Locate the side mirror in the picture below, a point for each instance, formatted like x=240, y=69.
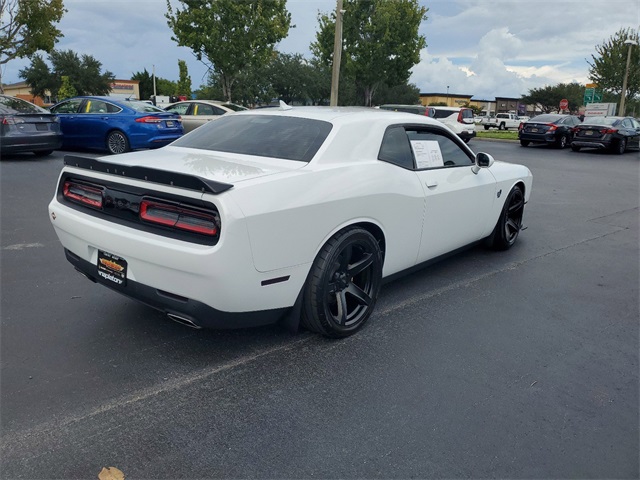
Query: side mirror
x=483, y=160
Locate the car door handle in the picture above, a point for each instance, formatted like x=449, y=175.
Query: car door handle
x=431, y=183
x=105, y=118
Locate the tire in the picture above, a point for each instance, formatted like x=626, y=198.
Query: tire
x=343, y=284
x=509, y=224
x=486, y=127
x=620, y=146
x=524, y=143
x=562, y=142
x=117, y=142
x=502, y=126
x=43, y=153
x=575, y=148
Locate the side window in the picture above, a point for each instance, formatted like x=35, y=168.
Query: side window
x=95, y=106
x=626, y=123
x=111, y=108
x=70, y=106
x=396, y=149
x=453, y=154
x=180, y=108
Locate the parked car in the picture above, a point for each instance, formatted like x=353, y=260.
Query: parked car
x=283, y=214
x=549, y=128
x=25, y=127
x=195, y=113
x=105, y=123
x=459, y=119
x=617, y=134
x=416, y=109
x=501, y=121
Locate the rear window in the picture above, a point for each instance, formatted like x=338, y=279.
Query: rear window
x=546, y=118
x=144, y=107
x=10, y=105
x=600, y=120
x=289, y=138
x=442, y=113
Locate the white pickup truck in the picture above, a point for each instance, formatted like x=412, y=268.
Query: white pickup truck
x=502, y=121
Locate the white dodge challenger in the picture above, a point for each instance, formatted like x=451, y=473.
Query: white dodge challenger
x=290, y=214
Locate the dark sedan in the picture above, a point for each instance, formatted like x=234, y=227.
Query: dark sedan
x=550, y=128
x=105, y=123
x=25, y=127
x=617, y=134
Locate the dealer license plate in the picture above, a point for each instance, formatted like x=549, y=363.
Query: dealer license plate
x=170, y=123
x=534, y=130
x=589, y=132
x=112, y=268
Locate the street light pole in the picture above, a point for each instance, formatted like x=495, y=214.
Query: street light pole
x=337, y=55
x=630, y=43
x=447, y=95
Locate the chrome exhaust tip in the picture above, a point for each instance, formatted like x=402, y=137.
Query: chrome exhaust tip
x=183, y=321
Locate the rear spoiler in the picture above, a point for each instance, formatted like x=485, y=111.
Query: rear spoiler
x=165, y=177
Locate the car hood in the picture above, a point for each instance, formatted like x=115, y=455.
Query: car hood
x=218, y=166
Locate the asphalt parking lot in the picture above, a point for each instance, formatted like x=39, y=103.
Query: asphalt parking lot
x=521, y=364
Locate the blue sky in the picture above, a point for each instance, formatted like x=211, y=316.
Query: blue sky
x=477, y=47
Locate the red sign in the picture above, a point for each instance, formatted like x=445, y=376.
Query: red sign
x=564, y=104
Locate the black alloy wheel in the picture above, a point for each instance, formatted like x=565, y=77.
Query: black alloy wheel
x=621, y=146
x=117, y=142
x=509, y=224
x=343, y=284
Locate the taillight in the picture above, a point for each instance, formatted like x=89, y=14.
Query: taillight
x=180, y=217
x=8, y=121
x=552, y=127
x=609, y=130
x=149, y=119
x=83, y=194
x=521, y=126
x=460, y=117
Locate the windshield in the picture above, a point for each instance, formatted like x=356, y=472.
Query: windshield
x=289, y=138
x=10, y=105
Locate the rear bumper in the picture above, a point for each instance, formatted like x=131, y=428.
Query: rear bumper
x=30, y=143
x=200, y=314
x=467, y=135
x=537, y=138
x=583, y=144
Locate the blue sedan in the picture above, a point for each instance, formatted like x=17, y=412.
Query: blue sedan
x=118, y=126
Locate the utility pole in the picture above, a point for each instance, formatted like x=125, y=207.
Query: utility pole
x=337, y=55
x=630, y=43
x=154, y=85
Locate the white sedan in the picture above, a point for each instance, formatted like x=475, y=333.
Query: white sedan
x=284, y=214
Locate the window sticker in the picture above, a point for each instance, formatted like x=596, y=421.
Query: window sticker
x=427, y=153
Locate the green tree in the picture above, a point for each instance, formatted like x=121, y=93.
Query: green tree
x=404, y=94
x=288, y=76
x=548, y=98
x=610, y=62
x=145, y=84
x=183, y=87
x=28, y=26
x=66, y=89
x=381, y=42
x=233, y=36
x=85, y=74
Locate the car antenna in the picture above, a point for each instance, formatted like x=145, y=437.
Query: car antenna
x=284, y=106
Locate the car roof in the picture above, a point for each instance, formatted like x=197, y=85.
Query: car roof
x=344, y=115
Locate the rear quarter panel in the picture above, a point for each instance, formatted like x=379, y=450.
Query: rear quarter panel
x=290, y=218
